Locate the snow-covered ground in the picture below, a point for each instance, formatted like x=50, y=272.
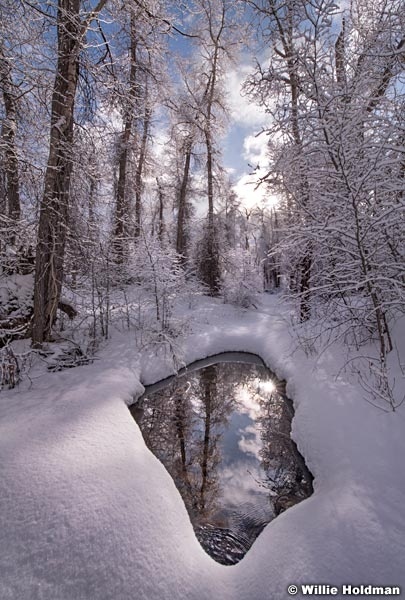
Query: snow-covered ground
x=87, y=512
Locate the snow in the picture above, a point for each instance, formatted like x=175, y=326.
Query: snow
x=88, y=512
x=16, y=293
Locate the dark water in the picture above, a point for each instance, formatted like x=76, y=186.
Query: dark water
x=222, y=430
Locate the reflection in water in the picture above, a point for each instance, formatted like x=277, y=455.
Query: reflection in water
x=223, y=434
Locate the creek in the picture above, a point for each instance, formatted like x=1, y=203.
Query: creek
x=221, y=427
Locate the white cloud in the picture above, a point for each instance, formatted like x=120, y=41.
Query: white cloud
x=255, y=149
x=251, y=195
x=246, y=188
x=243, y=110
x=160, y=141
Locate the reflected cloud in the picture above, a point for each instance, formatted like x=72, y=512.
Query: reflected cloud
x=250, y=445
x=223, y=433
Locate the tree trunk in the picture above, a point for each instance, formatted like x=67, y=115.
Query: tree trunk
x=181, y=245
x=54, y=210
x=287, y=38
x=121, y=208
x=8, y=135
x=212, y=266
x=140, y=167
x=121, y=201
x=305, y=280
x=161, y=223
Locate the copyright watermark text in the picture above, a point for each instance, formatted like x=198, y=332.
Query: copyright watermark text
x=344, y=590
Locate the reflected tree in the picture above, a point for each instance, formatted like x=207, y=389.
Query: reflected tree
x=184, y=426
x=287, y=476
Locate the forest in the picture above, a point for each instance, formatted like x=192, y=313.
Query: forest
x=180, y=182
x=114, y=195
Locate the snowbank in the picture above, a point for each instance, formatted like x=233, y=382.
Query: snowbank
x=88, y=512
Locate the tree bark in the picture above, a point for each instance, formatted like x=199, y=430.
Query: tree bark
x=140, y=167
x=54, y=210
x=181, y=245
x=211, y=270
x=212, y=267
x=8, y=134
x=121, y=206
x=161, y=223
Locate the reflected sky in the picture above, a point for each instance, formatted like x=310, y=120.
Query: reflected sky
x=223, y=434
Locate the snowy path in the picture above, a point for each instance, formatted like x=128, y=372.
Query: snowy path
x=88, y=513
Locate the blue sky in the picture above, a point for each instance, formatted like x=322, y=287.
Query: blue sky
x=243, y=146
x=239, y=146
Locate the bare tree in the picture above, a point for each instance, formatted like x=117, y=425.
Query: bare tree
x=8, y=134
x=218, y=25
x=336, y=158
x=54, y=211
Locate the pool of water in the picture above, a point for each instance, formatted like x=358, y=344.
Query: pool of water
x=222, y=430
